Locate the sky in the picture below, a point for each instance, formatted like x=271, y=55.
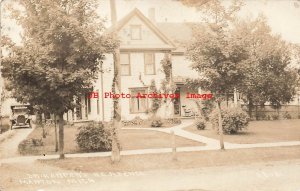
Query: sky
x=283, y=15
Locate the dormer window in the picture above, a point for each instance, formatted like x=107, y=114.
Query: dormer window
x=136, y=32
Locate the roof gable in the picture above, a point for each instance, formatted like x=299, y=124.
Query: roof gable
x=154, y=34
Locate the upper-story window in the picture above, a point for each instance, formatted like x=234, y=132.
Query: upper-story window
x=125, y=64
x=136, y=32
x=149, y=63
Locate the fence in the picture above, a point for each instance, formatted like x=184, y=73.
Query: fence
x=267, y=112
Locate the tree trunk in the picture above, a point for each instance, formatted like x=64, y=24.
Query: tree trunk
x=250, y=106
x=220, y=126
x=61, y=136
x=56, y=140
x=115, y=157
x=256, y=116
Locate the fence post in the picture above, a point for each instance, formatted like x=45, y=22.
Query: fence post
x=174, y=155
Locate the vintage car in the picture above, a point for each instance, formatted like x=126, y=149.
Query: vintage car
x=20, y=116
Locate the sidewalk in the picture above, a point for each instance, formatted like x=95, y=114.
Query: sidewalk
x=211, y=144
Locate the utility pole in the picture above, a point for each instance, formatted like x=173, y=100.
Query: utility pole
x=116, y=89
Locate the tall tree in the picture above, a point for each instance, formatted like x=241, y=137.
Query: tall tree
x=116, y=89
x=269, y=76
x=57, y=60
x=214, y=52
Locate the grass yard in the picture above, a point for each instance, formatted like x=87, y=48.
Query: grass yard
x=259, y=132
x=130, y=140
x=5, y=124
x=184, y=160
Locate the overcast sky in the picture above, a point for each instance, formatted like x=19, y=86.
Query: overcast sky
x=283, y=15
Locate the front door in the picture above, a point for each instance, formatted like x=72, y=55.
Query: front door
x=177, y=103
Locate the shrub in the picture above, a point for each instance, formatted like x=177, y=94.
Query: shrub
x=261, y=115
x=94, y=137
x=200, y=123
x=233, y=120
x=172, y=120
x=37, y=142
x=136, y=121
x=275, y=116
x=286, y=115
x=156, y=122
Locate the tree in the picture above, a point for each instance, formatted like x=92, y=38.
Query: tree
x=214, y=53
x=116, y=89
x=58, y=59
x=217, y=58
x=268, y=75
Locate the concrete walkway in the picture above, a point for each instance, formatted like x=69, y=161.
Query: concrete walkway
x=210, y=144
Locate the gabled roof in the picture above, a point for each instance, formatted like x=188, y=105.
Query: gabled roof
x=140, y=15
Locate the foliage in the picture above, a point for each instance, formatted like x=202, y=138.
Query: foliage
x=205, y=107
x=136, y=121
x=275, y=116
x=172, y=121
x=261, y=115
x=214, y=10
x=233, y=120
x=167, y=85
x=94, y=137
x=268, y=76
x=286, y=115
x=156, y=122
x=155, y=102
x=200, y=123
x=58, y=58
x=167, y=67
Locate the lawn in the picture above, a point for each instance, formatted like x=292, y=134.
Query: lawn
x=130, y=140
x=5, y=124
x=184, y=160
x=259, y=132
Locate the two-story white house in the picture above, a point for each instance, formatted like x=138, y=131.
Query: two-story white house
x=144, y=43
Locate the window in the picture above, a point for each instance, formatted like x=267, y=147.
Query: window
x=138, y=104
x=135, y=31
x=125, y=64
x=149, y=64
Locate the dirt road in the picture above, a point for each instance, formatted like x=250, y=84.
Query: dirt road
x=275, y=176
x=9, y=147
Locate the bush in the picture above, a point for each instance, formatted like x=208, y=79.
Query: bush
x=94, y=137
x=136, y=121
x=233, y=120
x=156, y=122
x=200, y=123
x=37, y=142
x=286, y=115
x=172, y=121
x=261, y=115
x=275, y=116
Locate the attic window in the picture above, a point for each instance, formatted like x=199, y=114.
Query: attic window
x=136, y=33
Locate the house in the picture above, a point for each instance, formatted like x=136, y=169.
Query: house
x=144, y=43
